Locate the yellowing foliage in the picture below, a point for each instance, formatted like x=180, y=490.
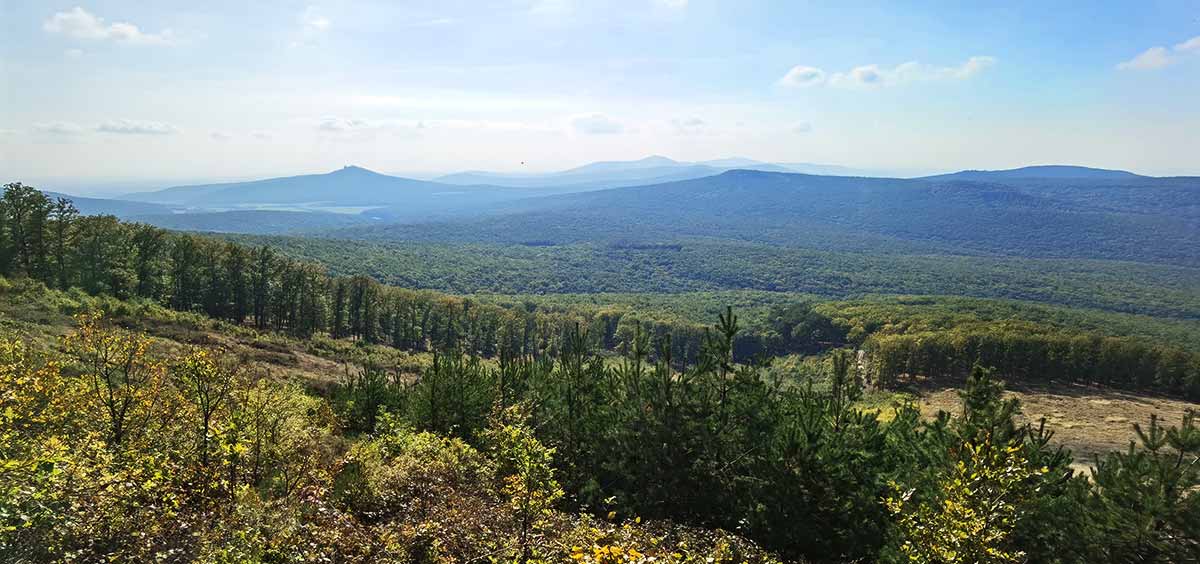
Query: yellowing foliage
x=975, y=511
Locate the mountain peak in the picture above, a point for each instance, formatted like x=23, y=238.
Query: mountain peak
x=354, y=169
x=658, y=159
x=1040, y=171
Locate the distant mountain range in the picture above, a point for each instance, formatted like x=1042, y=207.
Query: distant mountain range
x=317, y=201
x=1080, y=213
x=350, y=186
x=104, y=206
x=650, y=170
x=1056, y=172
x=1049, y=210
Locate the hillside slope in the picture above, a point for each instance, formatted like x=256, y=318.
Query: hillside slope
x=1056, y=172
x=1029, y=219
x=347, y=187
x=104, y=206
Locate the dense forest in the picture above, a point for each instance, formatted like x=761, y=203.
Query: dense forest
x=47, y=241
x=540, y=432
x=696, y=265
x=1141, y=219
x=120, y=446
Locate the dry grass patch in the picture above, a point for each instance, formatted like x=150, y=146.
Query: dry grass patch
x=1087, y=420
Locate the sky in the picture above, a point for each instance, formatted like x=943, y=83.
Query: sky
x=114, y=95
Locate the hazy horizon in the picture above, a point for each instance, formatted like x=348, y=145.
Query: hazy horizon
x=110, y=93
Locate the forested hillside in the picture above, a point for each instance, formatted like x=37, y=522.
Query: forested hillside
x=587, y=282
x=540, y=429
x=212, y=458
x=707, y=265
x=50, y=242
x=1042, y=218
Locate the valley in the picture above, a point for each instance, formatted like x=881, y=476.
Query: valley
x=580, y=282
x=863, y=329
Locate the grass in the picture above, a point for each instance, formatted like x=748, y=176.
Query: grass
x=42, y=317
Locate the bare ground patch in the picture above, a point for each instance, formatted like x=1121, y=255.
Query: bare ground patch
x=1087, y=420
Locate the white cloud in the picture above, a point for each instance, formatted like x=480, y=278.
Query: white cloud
x=261, y=135
x=973, y=66
x=337, y=124
x=313, y=21
x=1152, y=58
x=866, y=75
x=220, y=136
x=801, y=76
x=596, y=124
x=689, y=126
x=59, y=128
x=313, y=26
x=73, y=53
x=802, y=127
x=136, y=127
x=874, y=76
x=1160, y=57
x=80, y=24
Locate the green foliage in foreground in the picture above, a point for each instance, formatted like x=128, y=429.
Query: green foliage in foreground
x=556, y=459
x=111, y=452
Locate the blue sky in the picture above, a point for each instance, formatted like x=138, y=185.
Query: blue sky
x=113, y=91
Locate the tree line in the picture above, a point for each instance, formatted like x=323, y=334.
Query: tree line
x=48, y=240
x=114, y=448
x=1089, y=359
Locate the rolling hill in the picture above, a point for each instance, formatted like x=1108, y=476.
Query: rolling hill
x=1033, y=212
x=1043, y=218
x=654, y=169
x=261, y=222
x=1057, y=172
x=308, y=202
x=123, y=209
x=349, y=186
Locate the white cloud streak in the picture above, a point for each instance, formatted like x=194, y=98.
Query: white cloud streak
x=313, y=26
x=689, y=126
x=801, y=76
x=59, y=128
x=136, y=127
x=1159, y=57
x=1150, y=59
x=313, y=21
x=875, y=76
x=338, y=125
x=78, y=23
